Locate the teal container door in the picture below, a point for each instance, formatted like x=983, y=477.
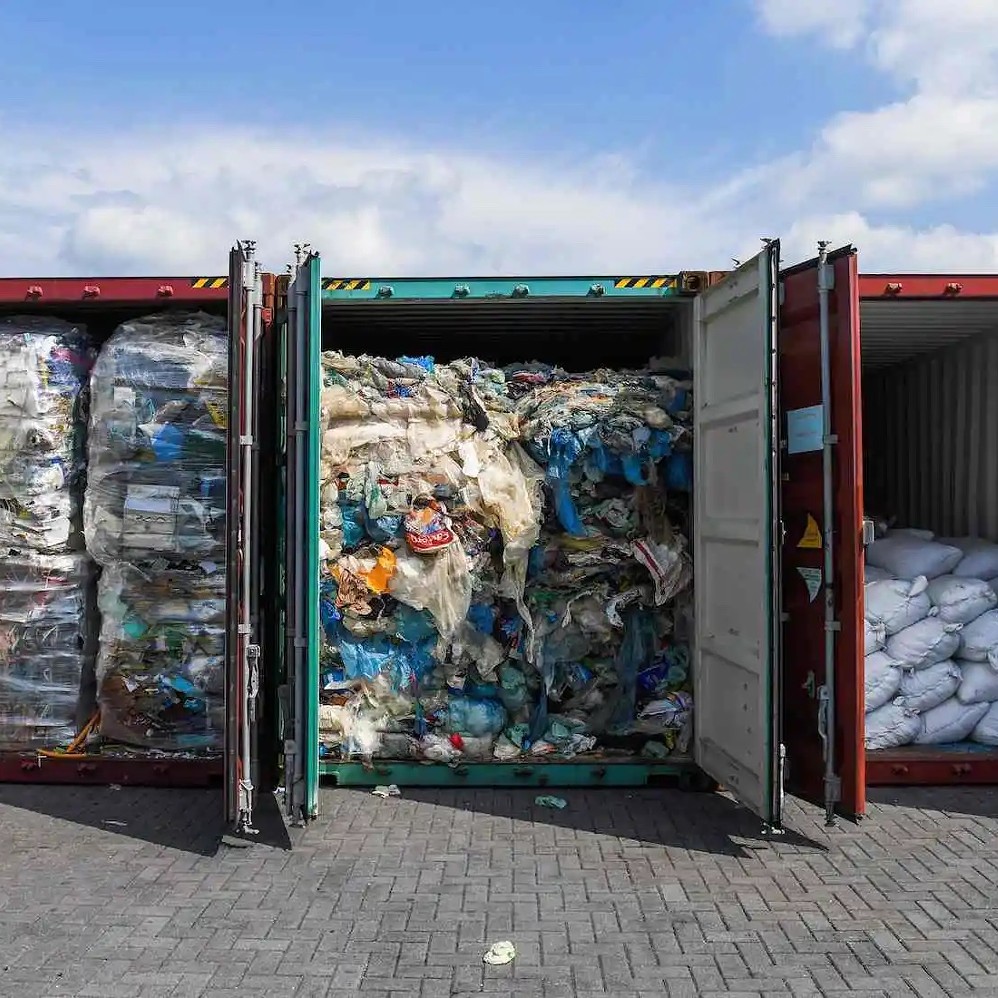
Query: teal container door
x=303, y=387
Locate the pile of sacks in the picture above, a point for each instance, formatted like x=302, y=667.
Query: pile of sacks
x=478, y=602
x=155, y=521
x=46, y=653
x=931, y=641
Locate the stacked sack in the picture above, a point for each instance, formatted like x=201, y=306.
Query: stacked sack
x=155, y=521
x=46, y=611
x=931, y=641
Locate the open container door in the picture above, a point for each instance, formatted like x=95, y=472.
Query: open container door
x=736, y=570
x=303, y=388
x=822, y=510
x=242, y=655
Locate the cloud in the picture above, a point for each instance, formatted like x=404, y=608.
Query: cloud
x=161, y=200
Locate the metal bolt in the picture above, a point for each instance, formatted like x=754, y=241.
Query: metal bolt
x=386, y=291
x=461, y=291
x=35, y=291
x=165, y=291
x=521, y=291
x=953, y=288
x=894, y=288
x=91, y=291
x=597, y=290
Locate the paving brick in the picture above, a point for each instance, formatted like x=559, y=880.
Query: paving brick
x=624, y=893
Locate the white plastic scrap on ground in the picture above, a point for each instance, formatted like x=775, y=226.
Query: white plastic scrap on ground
x=500, y=954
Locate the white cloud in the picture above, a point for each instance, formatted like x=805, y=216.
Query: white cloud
x=161, y=201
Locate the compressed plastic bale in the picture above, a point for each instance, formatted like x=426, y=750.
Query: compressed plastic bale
x=882, y=679
x=959, y=601
x=925, y=643
x=161, y=660
x=874, y=636
x=980, y=557
x=897, y=603
x=157, y=441
x=979, y=638
x=986, y=730
x=923, y=689
x=978, y=682
x=908, y=557
x=44, y=371
x=951, y=721
x=873, y=574
x=891, y=726
x=46, y=648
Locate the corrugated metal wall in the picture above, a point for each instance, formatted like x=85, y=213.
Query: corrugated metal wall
x=931, y=440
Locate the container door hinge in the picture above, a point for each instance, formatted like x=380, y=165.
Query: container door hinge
x=247, y=440
x=833, y=625
x=782, y=293
x=869, y=532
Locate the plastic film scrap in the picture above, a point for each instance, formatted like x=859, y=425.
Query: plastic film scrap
x=46, y=582
x=154, y=519
x=503, y=561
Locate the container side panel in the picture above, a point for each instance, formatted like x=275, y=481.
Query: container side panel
x=734, y=656
x=932, y=440
x=802, y=505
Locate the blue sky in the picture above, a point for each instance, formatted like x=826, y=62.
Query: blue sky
x=421, y=134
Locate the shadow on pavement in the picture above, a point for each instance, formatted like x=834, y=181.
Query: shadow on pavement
x=977, y=802
x=700, y=822
x=186, y=820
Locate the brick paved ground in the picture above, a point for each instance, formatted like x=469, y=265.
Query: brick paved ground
x=114, y=894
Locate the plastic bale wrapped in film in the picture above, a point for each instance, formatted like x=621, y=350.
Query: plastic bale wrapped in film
x=156, y=475
x=429, y=510
x=610, y=624
x=160, y=667
x=46, y=649
x=44, y=370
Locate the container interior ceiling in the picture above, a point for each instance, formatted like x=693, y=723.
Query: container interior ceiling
x=102, y=318
x=578, y=335
x=930, y=413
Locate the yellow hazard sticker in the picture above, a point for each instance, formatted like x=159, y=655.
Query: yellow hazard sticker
x=812, y=534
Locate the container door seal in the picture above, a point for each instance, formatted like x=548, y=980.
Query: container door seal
x=825, y=761
x=736, y=652
x=242, y=657
x=301, y=695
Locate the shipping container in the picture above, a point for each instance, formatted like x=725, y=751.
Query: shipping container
x=769, y=716
x=245, y=296
x=929, y=353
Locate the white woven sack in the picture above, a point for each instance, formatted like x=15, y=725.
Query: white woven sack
x=873, y=574
x=978, y=683
x=890, y=726
x=922, y=535
x=874, y=636
x=959, y=601
x=925, y=643
x=882, y=679
x=986, y=731
x=980, y=557
x=923, y=689
x=907, y=557
x=979, y=638
x=897, y=603
x=951, y=721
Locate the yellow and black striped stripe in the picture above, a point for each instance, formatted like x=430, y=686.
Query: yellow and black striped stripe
x=346, y=284
x=212, y=283
x=644, y=282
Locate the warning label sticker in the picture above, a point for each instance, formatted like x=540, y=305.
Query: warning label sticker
x=812, y=579
x=812, y=534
